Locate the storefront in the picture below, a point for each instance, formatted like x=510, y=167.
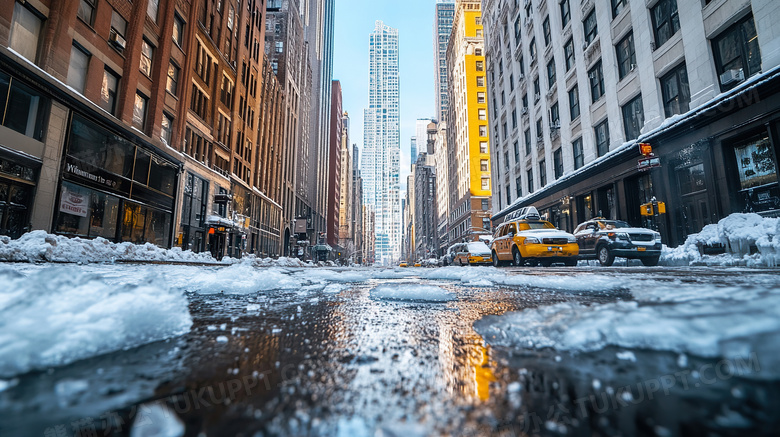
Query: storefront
x=193, y=213
x=17, y=190
x=113, y=188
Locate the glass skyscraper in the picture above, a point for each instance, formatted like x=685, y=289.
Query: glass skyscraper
x=442, y=26
x=380, y=164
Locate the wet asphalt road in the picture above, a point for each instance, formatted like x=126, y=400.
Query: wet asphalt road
x=351, y=363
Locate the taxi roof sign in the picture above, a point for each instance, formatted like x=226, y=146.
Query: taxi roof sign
x=524, y=213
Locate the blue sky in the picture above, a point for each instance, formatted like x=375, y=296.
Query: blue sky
x=414, y=21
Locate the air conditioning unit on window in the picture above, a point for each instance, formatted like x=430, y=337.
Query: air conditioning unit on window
x=732, y=76
x=117, y=40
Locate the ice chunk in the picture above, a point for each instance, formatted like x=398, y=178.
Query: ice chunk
x=412, y=292
x=626, y=356
x=156, y=420
x=56, y=316
x=222, y=339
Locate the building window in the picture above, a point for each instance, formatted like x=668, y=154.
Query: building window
x=529, y=177
x=178, y=29
x=226, y=92
x=517, y=151
x=485, y=183
x=139, y=111
x=147, y=52
x=539, y=130
x=527, y=141
x=86, y=11
x=480, y=81
x=602, y=138
x=626, y=56
x=633, y=118
x=546, y=30
x=574, y=102
x=568, y=51
x=596, y=76
x=517, y=30
x=555, y=118
x=737, y=54
x=676, y=93
x=108, y=91
x=551, y=73
x=565, y=13
x=483, y=130
x=77, y=69
x=558, y=163
x=520, y=64
x=495, y=132
x=537, y=90
x=483, y=147
x=519, y=186
x=480, y=66
x=542, y=174
x=172, y=86
x=118, y=30
x=166, y=128
x=279, y=46
x=483, y=165
x=511, y=82
x=26, y=28
x=503, y=98
x=505, y=130
x=514, y=119
x=666, y=22
x=485, y=205
x=151, y=9
x=532, y=49
x=525, y=101
x=590, y=27
x=481, y=97
x=577, y=152
x=24, y=110
x=506, y=161
x=618, y=6
x=482, y=114
x=508, y=194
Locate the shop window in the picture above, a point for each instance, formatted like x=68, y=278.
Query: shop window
x=633, y=118
x=626, y=55
x=590, y=27
x=108, y=91
x=26, y=26
x=601, y=132
x=96, y=147
x=77, y=69
x=756, y=166
x=666, y=22
x=86, y=213
x=676, y=92
x=141, y=169
x=691, y=179
x=25, y=109
x=737, y=53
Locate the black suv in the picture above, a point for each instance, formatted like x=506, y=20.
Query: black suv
x=604, y=240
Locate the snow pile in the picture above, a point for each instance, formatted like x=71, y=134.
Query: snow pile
x=737, y=233
x=57, y=316
x=707, y=321
x=487, y=276
x=38, y=246
x=239, y=278
x=412, y=292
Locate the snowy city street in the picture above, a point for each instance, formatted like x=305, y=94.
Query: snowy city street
x=159, y=349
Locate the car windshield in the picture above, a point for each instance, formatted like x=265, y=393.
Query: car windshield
x=535, y=225
x=612, y=224
x=478, y=247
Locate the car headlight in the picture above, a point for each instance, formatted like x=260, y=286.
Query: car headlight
x=657, y=238
x=531, y=240
x=572, y=239
x=621, y=235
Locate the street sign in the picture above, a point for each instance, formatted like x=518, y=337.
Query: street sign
x=648, y=163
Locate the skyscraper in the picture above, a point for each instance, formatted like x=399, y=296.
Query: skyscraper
x=381, y=142
x=421, y=137
x=442, y=27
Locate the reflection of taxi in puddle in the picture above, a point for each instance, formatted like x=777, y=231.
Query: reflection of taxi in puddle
x=525, y=238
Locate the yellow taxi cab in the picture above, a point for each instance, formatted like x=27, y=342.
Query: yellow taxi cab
x=417, y=264
x=403, y=264
x=524, y=238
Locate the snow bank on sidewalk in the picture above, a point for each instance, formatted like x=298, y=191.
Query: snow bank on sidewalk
x=38, y=246
x=737, y=233
x=706, y=321
x=56, y=316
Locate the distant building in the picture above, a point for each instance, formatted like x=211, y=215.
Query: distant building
x=346, y=197
x=334, y=173
x=442, y=28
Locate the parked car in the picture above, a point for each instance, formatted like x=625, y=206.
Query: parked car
x=403, y=264
x=448, y=258
x=524, y=238
x=604, y=240
x=474, y=252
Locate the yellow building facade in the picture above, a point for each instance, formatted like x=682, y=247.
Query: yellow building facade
x=468, y=143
